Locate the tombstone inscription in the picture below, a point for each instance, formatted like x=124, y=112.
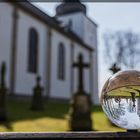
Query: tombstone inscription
x=80, y=105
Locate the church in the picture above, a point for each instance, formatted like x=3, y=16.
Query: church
x=32, y=43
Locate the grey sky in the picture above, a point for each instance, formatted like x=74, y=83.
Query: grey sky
x=108, y=16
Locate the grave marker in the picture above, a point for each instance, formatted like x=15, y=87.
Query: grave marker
x=3, y=93
x=80, y=109
x=37, y=100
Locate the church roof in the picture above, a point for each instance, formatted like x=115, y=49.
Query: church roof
x=36, y=12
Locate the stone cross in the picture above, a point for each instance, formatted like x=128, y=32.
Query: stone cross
x=38, y=79
x=2, y=74
x=3, y=93
x=37, y=100
x=114, y=68
x=80, y=65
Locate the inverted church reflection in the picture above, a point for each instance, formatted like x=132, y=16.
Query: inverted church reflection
x=122, y=106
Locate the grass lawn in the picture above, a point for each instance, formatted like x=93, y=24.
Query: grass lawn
x=53, y=118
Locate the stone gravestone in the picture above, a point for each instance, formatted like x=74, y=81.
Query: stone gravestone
x=80, y=105
x=3, y=93
x=37, y=100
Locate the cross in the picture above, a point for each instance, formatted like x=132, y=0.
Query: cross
x=80, y=65
x=38, y=79
x=2, y=74
x=114, y=68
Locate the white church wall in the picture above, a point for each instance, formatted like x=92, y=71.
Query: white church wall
x=90, y=38
x=25, y=81
x=87, y=31
x=60, y=88
x=6, y=20
x=82, y=26
x=77, y=22
x=90, y=32
x=86, y=58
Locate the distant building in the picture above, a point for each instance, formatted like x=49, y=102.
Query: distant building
x=33, y=43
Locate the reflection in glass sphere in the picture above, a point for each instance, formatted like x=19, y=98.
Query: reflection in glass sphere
x=120, y=99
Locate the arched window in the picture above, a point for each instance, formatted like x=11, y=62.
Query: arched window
x=33, y=51
x=70, y=24
x=61, y=61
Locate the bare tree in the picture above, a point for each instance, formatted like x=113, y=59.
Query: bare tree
x=122, y=48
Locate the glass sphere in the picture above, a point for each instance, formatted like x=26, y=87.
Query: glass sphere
x=120, y=99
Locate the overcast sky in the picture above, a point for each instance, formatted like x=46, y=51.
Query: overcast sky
x=108, y=16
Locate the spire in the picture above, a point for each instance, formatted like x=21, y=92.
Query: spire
x=70, y=6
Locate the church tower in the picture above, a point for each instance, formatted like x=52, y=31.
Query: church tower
x=70, y=6
x=72, y=14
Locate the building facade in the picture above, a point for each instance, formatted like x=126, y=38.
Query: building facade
x=33, y=43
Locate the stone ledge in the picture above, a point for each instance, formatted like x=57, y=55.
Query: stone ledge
x=65, y=135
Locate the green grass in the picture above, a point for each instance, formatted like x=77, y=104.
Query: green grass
x=53, y=118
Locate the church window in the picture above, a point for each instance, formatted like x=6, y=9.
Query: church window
x=33, y=51
x=61, y=61
x=70, y=24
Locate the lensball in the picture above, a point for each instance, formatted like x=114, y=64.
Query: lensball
x=120, y=99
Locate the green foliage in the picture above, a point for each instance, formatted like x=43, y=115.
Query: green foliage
x=53, y=118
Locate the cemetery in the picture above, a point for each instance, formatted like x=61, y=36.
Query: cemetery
x=75, y=115
x=17, y=116
x=49, y=119
x=56, y=95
